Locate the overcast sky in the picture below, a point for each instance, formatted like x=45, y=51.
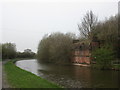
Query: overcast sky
x=25, y=23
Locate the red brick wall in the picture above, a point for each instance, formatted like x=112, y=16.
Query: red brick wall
x=81, y=57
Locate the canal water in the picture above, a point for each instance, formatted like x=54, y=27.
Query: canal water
x=73, y=76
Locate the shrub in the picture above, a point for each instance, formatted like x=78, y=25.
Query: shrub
x=55, y=48
x=103, y=57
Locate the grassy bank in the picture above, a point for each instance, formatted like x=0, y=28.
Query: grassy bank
x=17, y=59
x=19, y=78
x=116, y=67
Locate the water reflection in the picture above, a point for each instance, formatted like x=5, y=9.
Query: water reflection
x=72, y=76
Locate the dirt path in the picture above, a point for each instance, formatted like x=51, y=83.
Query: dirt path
x=0, y=75
x=4, y=81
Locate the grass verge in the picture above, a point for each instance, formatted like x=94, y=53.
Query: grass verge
x=19, y=78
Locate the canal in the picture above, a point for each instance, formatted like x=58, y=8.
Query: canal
x=72, y=76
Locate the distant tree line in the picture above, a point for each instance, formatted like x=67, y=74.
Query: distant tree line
x=55, y=48
x=8, y=51
x=26, y=54
x=0, y=51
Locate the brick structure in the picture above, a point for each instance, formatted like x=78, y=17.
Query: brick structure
x=82, y=51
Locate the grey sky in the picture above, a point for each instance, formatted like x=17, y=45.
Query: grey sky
x=25, y=23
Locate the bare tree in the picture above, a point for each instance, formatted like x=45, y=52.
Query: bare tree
x=87, y=26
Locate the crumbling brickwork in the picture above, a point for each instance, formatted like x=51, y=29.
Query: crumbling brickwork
x=82, y=51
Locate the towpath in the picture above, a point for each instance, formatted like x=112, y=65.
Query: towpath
x=3, y=75
x=0, y=75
